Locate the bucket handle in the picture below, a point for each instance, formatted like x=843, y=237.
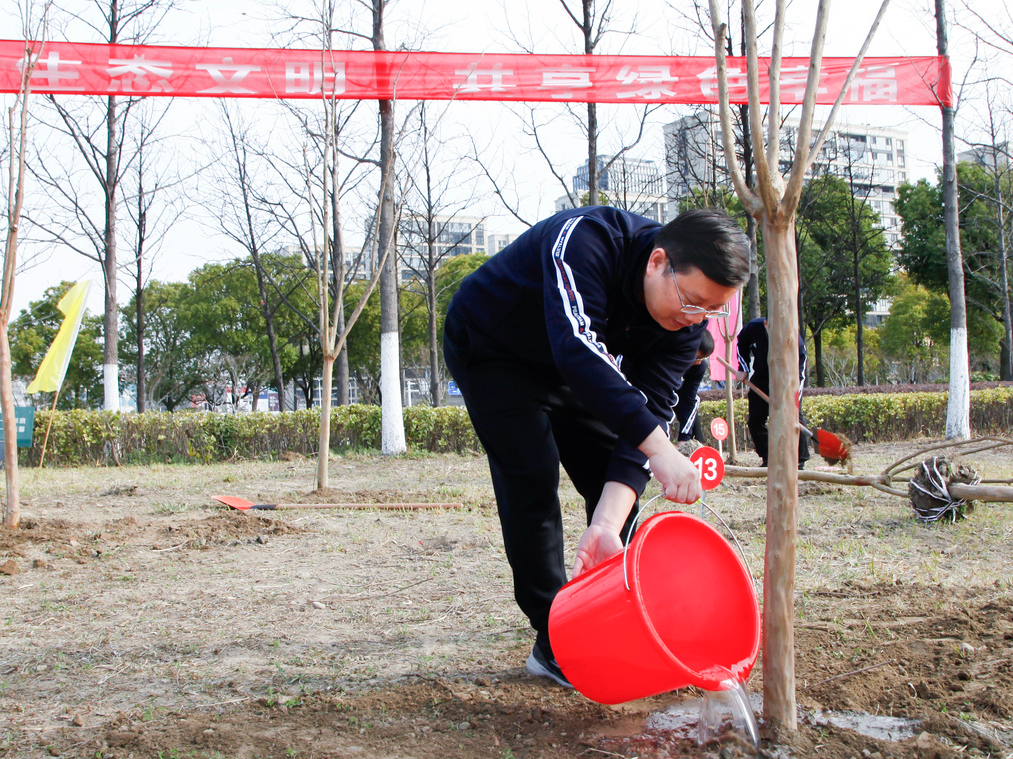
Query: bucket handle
x=629, y=535
x=633, y=527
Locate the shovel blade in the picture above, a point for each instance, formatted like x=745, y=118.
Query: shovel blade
x=234, y=502
x=831, y=446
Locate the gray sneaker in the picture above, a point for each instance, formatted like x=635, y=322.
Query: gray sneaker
x=539, y=664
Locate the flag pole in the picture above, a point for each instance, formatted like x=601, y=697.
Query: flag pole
x=49, y=424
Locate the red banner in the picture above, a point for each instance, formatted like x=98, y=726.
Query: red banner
x=73, y=68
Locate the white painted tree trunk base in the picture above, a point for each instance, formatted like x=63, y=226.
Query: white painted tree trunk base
x=111, y=386
x=958, y=407
x=392, y=440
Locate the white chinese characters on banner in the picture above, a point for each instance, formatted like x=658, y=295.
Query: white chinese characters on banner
x=130, y=75
x=310, y=78
x=652, y=81
x=875, y=84
x=55, y=74
x=563, y=82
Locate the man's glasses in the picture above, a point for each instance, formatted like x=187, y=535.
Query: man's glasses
x=697, y=310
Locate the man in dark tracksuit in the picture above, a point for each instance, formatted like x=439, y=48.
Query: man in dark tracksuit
x=568, y=347
x=753, y=344
x=687, y=410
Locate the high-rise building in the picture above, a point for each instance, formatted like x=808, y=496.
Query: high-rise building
x=496, y=241
x=451, y=236
x=694, y=158
x=621, y=174
x=871, y=159
x=629, y=183
x=991, y=157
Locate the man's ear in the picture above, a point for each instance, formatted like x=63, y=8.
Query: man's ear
x=658, y=260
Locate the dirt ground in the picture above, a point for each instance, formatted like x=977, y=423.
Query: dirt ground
x=139, y=618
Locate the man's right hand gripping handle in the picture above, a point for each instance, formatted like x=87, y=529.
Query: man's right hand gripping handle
x=676, y=473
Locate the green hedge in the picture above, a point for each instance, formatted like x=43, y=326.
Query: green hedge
x=100, y=437
x=883, y=417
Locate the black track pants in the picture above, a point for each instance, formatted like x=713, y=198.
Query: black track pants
x=759, y=410
x=529, y=422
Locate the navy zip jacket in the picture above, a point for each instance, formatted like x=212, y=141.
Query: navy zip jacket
x=564, y=299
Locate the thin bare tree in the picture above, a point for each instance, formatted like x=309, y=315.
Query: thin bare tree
x=958, y=404
x=97, y=129
x=432, y=228
x=773, y=202
x=35, y=33
x=151, y=215
x=995, y=159
x=392, y=436
x=245, y=222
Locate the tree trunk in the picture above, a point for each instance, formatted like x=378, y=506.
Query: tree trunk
x=341, y=376
x=587, y=30
x=958, y=407
x=1006, y=345
x=110, y=322
x=859, y=336
x=733, y=451
x=324, y=445
x=391, y=411
x=782, y=481
x=821, y=377
x=435, y=381
x=593, y=192
x=12, y=514
x=755, y=309
x=392, y=414
x=139, y=303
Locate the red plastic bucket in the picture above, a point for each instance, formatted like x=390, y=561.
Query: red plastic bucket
x=689, y=617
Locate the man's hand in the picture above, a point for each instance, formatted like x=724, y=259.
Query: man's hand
x=596, y=544
x=676, y=473
x=601, y=539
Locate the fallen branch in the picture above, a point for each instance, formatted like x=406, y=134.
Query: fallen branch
x=805, y=474
x=991, y=442
x=980, y=492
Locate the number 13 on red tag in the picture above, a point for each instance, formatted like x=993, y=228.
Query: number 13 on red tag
x=710, y=465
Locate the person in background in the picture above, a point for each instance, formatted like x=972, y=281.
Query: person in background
x=753, y=343
x=569, y=347
x=686, y=411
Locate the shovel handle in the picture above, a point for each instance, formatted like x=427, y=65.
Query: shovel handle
x=746, y=382
x=804, y=430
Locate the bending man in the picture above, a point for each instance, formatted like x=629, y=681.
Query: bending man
x=569, y=347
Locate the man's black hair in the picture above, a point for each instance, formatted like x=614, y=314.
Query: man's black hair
x=709, y=240
x=706, y=344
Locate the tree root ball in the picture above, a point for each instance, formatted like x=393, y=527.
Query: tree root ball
x=929, y=490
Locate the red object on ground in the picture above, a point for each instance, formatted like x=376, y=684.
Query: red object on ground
x=243, y=505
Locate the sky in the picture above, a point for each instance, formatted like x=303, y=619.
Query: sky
x=658, y=27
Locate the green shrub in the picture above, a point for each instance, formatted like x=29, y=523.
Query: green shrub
x=103, y=438
x=883, y=417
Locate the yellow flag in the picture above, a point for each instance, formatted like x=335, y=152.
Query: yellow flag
x=53, y=368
